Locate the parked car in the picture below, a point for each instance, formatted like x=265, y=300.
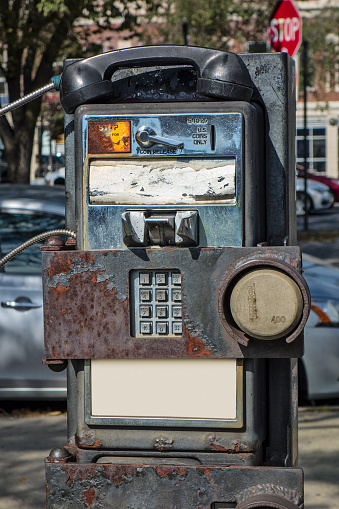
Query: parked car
x=331, y=182
x=55, y=178
x=48, y=163
x=319, y=368
x=318, y=196
x=26, y=211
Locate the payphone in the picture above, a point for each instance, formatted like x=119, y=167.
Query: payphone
x=179, y=312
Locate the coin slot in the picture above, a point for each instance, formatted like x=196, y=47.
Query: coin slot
x=212, y=137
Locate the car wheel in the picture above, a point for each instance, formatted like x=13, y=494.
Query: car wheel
x=333, y=198
x=300, y=204
x=302, y=384
x=59, y=181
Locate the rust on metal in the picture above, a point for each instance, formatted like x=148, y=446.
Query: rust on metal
x=53, y=244
x=89, y=495
x=87, y=304
x=214, y=444
x=163, y=444
x=197, y=348
x=70, y=243
x=130, y=485
x=87, y=438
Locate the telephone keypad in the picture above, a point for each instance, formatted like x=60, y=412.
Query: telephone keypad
x=144, y=279
x=145, y=327
x=145, y=311
x=156, y=303
x=145, y=295
x=162, y=311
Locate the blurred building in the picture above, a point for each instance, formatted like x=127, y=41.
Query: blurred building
x=322, y=103
x=323, y=98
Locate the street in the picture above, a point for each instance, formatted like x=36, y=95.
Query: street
x=326, y=219
x=322, y=236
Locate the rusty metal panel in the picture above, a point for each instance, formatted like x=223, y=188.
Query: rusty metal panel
x=87, y=303
x=234, y=445
x=142, y=486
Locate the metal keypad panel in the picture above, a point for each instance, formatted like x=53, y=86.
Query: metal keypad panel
x=156, y=303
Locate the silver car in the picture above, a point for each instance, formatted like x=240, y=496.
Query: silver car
x=26, y=211
x=319, y=196
x=319, y=368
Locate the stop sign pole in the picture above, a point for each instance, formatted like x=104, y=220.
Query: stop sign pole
x=285, y=36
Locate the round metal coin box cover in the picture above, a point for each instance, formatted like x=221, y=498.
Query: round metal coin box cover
x=266, y=303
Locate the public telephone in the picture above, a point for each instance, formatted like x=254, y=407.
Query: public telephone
x=183, y=297
x=182, y=186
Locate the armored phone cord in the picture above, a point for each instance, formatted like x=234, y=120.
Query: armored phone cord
x=38, y=238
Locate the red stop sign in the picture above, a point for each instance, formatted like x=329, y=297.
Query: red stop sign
x=285, y=28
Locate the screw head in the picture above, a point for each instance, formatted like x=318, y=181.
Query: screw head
x=59, y=452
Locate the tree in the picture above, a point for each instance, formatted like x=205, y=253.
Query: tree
x=34, y=34
x=320, y=29
x=220, y=24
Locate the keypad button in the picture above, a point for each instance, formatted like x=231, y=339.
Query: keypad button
x=177, y=328
x=161, y=295
x=162, y=311
x=162, y=328
x=145, y=311
x=176, y=279
x=176, y=295
x=177, y=311
x=160, y=279
x=145, y=327
x=144, y=278
x=145, y=295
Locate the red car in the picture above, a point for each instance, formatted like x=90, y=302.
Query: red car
x=331, y=182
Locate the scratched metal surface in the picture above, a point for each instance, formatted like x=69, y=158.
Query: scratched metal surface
x=169, y=486
x=87, y=308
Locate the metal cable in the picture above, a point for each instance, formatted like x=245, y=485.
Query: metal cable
x=38, y=238
x=27, y=98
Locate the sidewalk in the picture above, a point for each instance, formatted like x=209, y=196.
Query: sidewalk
x=326, y=250
x=319, y=457
x=25, y=442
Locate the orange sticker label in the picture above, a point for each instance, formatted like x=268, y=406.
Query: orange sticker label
x=109, y=137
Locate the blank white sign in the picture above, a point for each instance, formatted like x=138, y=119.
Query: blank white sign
x=162, y=182
x=164, y=388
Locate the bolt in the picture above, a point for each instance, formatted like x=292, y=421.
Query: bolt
x=53, y=244
x=59, y=453
x=70, y=243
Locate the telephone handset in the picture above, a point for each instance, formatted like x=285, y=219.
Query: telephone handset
x=220, y=74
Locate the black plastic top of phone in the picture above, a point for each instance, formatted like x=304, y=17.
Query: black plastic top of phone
x=220, y=74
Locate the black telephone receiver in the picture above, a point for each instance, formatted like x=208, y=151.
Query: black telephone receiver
x=220, y=74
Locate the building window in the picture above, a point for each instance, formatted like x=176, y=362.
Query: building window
x=316, y=148
x=4, y=99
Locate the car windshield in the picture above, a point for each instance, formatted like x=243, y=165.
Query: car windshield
x=18, y=226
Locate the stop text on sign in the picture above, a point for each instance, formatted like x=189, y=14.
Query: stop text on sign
x=285, y=29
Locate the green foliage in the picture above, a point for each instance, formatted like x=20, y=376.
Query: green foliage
x=322, y=33
x=47, y=8
x=217, y=23
x=34, y=35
